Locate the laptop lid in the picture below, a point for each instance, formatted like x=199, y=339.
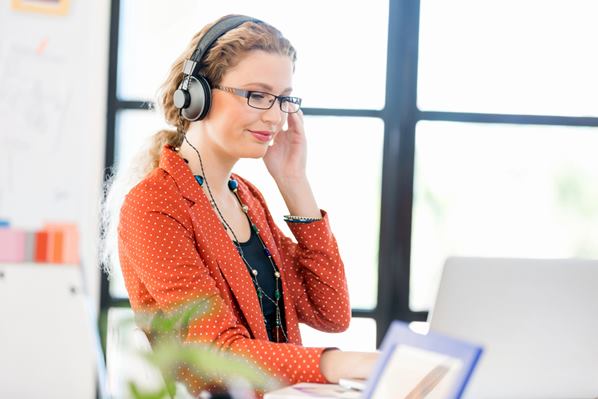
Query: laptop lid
x=536, y=319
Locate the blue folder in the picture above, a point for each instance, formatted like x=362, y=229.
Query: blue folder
x=460, y=359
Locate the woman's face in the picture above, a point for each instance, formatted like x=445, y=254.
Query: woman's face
x=237, y=130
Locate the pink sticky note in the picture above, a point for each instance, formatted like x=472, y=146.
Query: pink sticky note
x=12, y=245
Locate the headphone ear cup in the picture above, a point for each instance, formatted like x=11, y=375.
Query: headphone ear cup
x=200, y=99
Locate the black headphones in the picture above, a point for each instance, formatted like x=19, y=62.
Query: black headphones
x=194, y=96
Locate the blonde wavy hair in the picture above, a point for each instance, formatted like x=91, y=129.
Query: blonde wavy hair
x=224, y=54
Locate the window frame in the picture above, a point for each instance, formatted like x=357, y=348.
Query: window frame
x=400, y=116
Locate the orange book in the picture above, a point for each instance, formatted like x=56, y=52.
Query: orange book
x=56, y=249
x=65, y=242
x=41, y=246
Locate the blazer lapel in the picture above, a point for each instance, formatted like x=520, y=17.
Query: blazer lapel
x=214, y=244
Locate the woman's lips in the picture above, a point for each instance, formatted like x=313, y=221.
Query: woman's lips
x=263, y=136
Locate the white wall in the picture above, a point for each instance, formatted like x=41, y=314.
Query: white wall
x=53, y=84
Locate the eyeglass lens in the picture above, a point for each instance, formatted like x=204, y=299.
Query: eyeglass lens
x=265, y=101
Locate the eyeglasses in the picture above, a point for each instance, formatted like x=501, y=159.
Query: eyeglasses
x=263, y=100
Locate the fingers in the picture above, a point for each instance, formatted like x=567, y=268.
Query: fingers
x=295, y=120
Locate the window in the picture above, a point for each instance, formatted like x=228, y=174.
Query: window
x=328, y=72
x=458, y=128
x=501, y=190
x=530, y=57
x=504, y=144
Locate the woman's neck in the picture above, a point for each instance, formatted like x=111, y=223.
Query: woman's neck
x=217, y=166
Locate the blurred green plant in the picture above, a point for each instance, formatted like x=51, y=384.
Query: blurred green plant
x=236, y=376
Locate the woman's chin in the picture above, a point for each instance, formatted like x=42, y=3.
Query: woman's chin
x=256, y=153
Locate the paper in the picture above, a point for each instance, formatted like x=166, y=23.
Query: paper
x=414, y=373
x=311, y=390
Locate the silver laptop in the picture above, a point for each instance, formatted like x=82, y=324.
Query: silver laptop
x=537, y=320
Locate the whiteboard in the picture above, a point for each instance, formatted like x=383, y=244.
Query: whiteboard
x=53, y=86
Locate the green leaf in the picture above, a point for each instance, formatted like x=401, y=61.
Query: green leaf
x=167, y=331
x=137, y=394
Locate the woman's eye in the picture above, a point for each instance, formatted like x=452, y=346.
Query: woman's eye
x=257, y=96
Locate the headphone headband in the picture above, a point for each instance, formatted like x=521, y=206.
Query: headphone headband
x=219, y=29
x=208, y=39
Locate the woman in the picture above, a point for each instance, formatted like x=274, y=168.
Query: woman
x=191, y=229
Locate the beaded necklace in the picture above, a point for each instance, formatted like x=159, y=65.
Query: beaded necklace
x=279, y=332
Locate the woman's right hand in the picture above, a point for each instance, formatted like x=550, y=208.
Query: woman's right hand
x=336, y=364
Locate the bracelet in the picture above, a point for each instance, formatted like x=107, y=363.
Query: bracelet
x=300, y=219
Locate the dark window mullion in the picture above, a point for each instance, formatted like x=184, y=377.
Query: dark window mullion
x=507, y=118
x=342, y=112
x=119, y=302
x=398, y=166
x=105, y=297
x=121, y=105
x=369, y=313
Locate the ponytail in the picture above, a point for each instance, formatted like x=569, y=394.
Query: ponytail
x=158, y=141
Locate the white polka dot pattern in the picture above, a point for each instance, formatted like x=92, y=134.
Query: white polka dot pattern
x=173, y=249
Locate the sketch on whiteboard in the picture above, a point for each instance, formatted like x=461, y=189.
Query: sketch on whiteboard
x=34, y=98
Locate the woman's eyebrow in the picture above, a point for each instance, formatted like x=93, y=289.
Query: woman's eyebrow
x=269, y=88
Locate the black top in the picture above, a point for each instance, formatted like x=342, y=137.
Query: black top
x=254, y=254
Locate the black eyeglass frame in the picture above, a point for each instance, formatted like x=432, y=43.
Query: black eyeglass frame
x=247, y=94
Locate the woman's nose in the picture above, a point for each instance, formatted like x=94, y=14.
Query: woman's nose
x=274, y=115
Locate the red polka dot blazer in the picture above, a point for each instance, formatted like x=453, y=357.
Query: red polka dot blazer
x=173, y=249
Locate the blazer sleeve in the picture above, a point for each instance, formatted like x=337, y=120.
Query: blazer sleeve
x=320, y=287
x=317, y=280
x=157, y=246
